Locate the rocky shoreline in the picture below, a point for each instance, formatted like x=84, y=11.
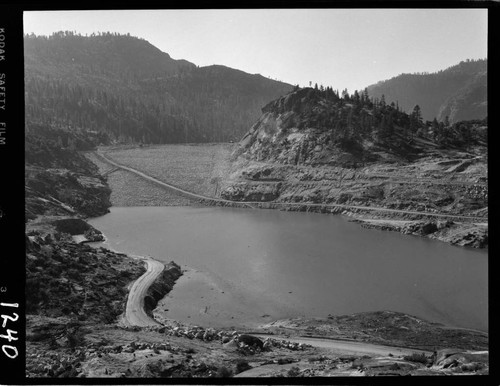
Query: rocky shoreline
x=430, y=209
x=85, y=342
x=374, y=196
x=464, y=235
x=78, y=339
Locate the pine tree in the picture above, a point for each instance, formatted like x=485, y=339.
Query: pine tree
x=365, y=93
x=416, y=121
x=434, y=124
x=382, y=100
x=356, y=97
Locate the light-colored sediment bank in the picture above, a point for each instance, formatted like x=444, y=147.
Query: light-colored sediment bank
x=176, y=189
x=361, y=348
x=280, y=205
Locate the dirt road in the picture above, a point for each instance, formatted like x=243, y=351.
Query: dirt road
x=135, y=315
x=336, y=348
x=346, y=347
x=169, y=186
x=257, y=204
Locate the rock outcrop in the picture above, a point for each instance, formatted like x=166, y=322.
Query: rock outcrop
x=310, y=149
x=64, y=192
x=61, y=181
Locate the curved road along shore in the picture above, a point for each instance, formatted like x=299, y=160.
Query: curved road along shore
x=135, y=314
x=336, y=347
x=345, y=346
x=250, y=203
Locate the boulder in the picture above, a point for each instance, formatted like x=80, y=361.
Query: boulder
x=199, y=335
x=442, y=355
x=231, y=344
x=207, y=336
x=428, y=228
x=251, y=341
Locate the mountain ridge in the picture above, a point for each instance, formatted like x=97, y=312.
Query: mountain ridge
x=131, y=91
x=105, y=50
x=436, y=92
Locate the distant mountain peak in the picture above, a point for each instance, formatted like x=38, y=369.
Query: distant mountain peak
x=463, y=85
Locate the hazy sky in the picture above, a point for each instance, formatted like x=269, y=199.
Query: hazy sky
x=342, y=48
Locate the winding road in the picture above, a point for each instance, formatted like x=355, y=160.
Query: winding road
x=346, y=347
x=252, y=204
x=135, y=314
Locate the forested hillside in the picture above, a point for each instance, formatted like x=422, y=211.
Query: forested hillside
x=125, y=89
x=459, y=92
x=317, y=127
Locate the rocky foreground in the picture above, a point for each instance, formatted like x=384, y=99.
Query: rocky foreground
x=74, y=330
x=76, y=297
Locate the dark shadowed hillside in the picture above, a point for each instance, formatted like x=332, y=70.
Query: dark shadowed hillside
x=129, y=90
x=468, y=102
x=67, y=55
x=60, y=181
x=458, y=92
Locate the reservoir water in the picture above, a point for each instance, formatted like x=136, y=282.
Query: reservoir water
x=248, y=267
